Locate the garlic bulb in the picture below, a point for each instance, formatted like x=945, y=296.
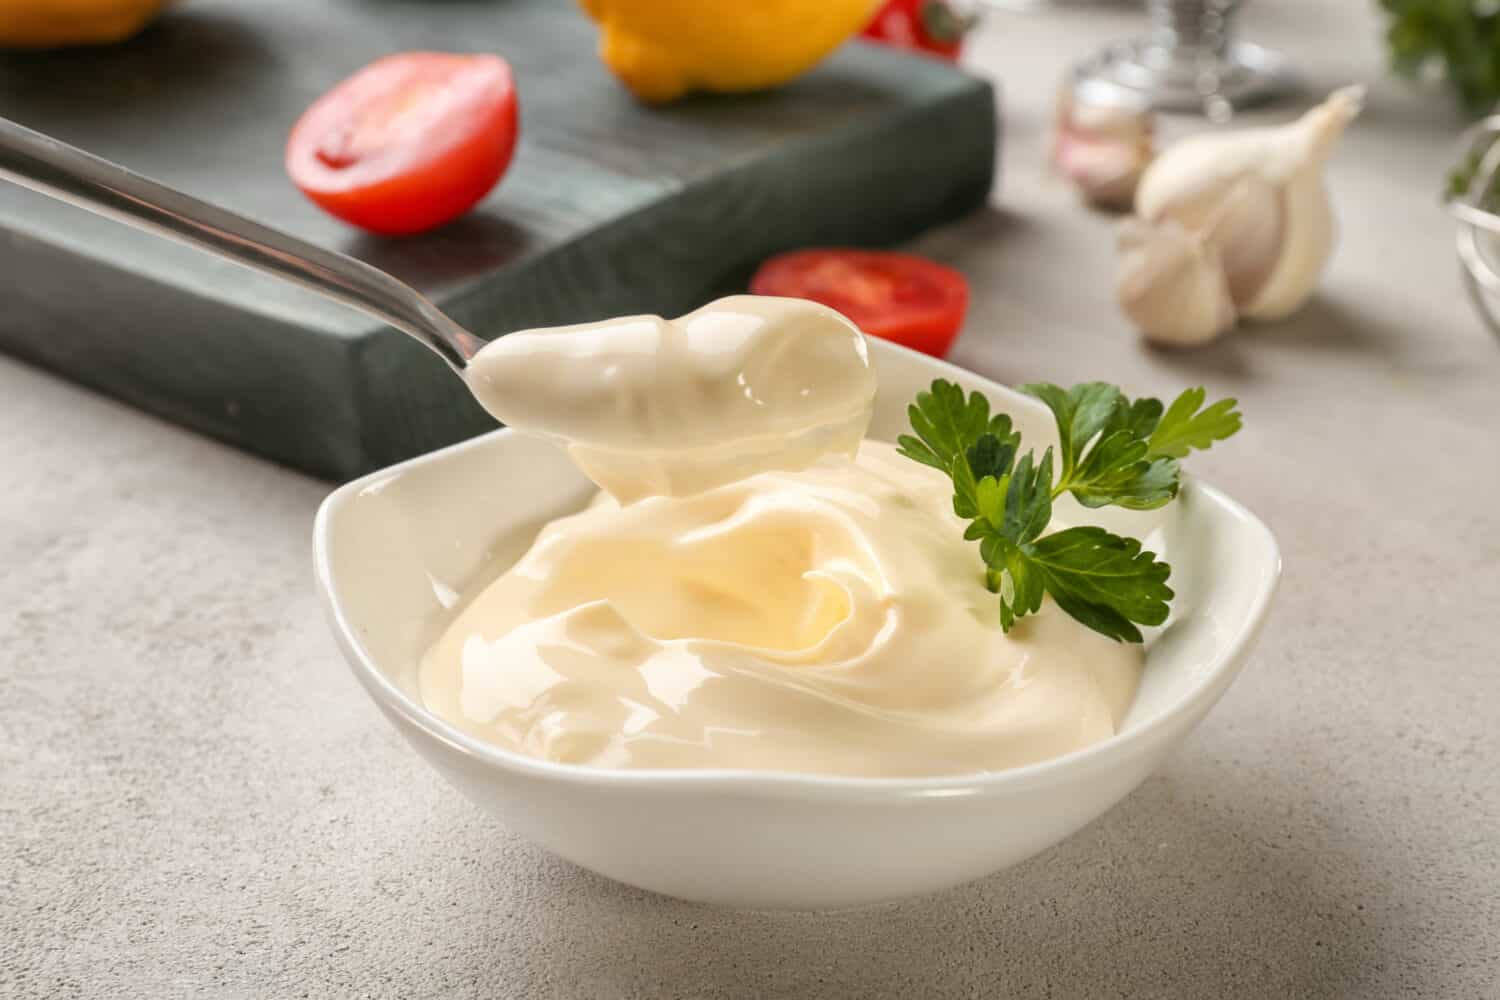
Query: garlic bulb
x=1172, y=284
x=1102, y=148
x=1253, y=203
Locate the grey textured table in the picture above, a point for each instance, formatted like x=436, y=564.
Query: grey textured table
x=198, y=801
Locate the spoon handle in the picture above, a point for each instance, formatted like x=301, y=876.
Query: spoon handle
x=69, y=174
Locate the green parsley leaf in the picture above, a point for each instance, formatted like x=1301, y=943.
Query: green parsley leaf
x=1021, y=587
x=1152, y=485
x=1139, y=417
x=1110, y=469
x=947, y=425
x=989, y=498
x=1080, y=412
x=1104, y=580
x=1112, y=450
x=1008, y=512
x=1028, y=500
x=965, y=488
x=1123, y=452
x=993, y=453
x=1186, y=425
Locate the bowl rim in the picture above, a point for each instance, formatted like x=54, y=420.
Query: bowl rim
x=1206, y=687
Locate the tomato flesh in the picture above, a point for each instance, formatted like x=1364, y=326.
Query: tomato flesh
x=895, y=296
x=930, y=26
x=409, y=142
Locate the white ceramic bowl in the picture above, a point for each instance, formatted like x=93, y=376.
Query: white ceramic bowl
x=394, y=549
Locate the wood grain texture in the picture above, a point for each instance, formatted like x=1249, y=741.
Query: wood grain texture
x=610, y=207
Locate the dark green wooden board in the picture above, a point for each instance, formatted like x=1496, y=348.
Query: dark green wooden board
x=609, y=207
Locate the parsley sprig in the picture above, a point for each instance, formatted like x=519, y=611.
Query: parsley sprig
x=1112, y=451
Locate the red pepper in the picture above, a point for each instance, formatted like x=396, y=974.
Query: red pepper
x=932, y=26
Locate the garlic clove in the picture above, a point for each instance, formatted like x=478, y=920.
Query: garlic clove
x=1105, y=172
x=1248, y=231
x=1309, y=235
x=1103, y=149
x=1190, y=175
x=1171, y=283
x=1308, y=141
x=1257, y=197
x=1305, y=246
x=1190, y=178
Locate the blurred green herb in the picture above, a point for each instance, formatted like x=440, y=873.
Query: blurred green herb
x=1461, y=177
x=1459, y=39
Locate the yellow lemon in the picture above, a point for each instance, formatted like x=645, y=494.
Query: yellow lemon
x=662, y=49
x=53, y=23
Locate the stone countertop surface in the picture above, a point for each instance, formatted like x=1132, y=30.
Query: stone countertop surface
x=198, y=800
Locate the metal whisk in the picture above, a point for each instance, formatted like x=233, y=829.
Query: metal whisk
x=1478, y=221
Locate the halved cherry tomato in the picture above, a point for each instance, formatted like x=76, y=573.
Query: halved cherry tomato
x=932, y=26
x=896, y=296
x=409, y=142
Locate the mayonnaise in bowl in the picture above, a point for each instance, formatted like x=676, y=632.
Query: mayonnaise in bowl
x=755, y=587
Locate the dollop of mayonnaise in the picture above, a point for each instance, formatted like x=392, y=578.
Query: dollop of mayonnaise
x=654, y=407
x=772, y=604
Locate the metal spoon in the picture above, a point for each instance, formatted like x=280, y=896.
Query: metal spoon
x=64, y=172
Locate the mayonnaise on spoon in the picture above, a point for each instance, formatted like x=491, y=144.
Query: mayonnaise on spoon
x=656, y=407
